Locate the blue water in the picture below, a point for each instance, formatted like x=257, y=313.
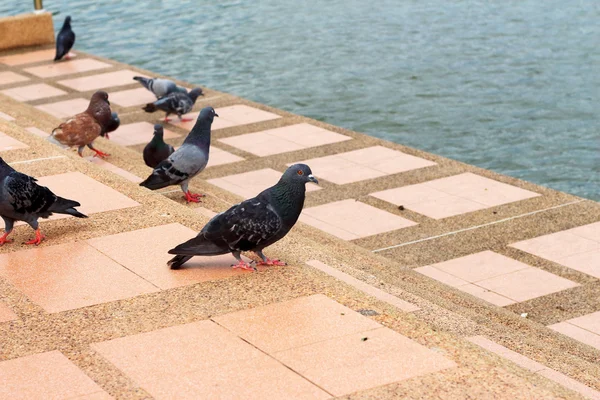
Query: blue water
x=511, y=86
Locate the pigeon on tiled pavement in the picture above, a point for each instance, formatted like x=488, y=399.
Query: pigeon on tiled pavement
x=157, y=150
x=64, y=40
x=253, y=224
x=112, y=126
x=175, y=103
x=187, y=161
x=21, y=199
x=160, y=87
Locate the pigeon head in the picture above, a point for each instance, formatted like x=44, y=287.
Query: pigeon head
x=112, y=125
x=68, y=20
x=158, y=131
x=207, y=114
x=99, y=108
x=299, y=173
x=194, y=93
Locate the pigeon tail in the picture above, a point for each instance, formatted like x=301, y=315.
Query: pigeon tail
x=199, y=246
x=66, y=206
x=53, y=140
x=144, y=81
x=177, y=261
x=154, y=182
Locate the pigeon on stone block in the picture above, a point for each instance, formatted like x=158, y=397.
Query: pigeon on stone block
x=64, y=40
x=160, y=87
x=175, y=103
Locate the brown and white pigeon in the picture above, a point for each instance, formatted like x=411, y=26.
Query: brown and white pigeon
x=22, y=199
x=157, y=150
x=175, y=103
x=82, y=129
x=253, y=224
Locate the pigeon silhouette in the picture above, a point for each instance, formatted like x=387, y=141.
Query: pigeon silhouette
x=253, y=224
x=157, y=150
x=187, y=161
x=175, y=103
x=160, y=87
x=64, y=40
x=112, y=126
x=22, y=199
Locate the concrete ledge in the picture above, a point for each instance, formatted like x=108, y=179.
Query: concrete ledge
x=26, y=30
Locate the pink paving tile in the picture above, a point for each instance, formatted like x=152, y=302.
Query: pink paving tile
x=325, y=227
x=137, y=133
x=6, y=117
x=487, y=295
x=9, y=143
x=145, y=253
x=37, y=131
x=249, y=184
x=577, y=333
x=588, y=262
x=480, y=266
x=218, y=123
x=221, y=157
x=571, y=383
x=557, y=246
x=65, y=109
x=285, y=139
x=504, y=352
x=363, y=360
x=111, y=167
x=232, y=116
x=66, y=68
x=6, y=314
x=441, y=276
x=33, y=92
x=94, y=82
x=132, y=97
x=69, y=276
x=45, y=376
x=446, y=207
x=205, y=211
x=590, y=231
x=202, y=360
x=7, y=77
x=28, y=58
x=355, y=217
x=590, y=322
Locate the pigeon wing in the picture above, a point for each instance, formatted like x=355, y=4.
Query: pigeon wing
x=27, y=197
x=64, y=43
x=183, y=164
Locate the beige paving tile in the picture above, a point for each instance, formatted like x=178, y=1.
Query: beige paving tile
x=504, y=352
x=37, y=131
x=441, y=276
x=590, y=322
x=479, y=266
x=295, y=323
x=325, y=227
x=218, y=123
x=588, y=262
x=363, y=360
x=409, y=195
x=205, y=211
x=28, y=58
x=486, y=295
x=232, y=116
x=590, y=231
x=353, y=173
x=66, y=68
x=577, y=333
x=571, y=383
x=111, y=167
x=100, y=81
x=7, y=77
x=137, y=133
x=6, y=314
x=132, y=97
x=202, y=360
x=145, y=252
x=9, y=143
x=45, y=376
x=355, y=217
x=249, y=184
x=6, y=117
x=557, y=246
x=33, y=92
x=65, y=109
x=446, y=207
x=69, y=276
x=221, y=157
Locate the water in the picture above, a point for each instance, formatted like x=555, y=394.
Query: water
x=511, y=86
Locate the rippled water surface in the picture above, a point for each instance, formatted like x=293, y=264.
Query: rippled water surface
x=510, y=85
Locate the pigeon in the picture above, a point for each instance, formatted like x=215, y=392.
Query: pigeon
x=253, y=224
x=64, y=40
x=82, y=129
x=187, y=161
x=21, y=199
x=175, y=103
x=157, y=150
x=112, y=126
x=160, y=87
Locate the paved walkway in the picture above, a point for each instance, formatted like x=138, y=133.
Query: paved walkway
x=410, y=275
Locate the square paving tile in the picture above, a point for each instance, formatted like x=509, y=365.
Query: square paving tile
x=69, y=276
x=585, y=329
x=6, y=117
x=350, y=219
x=132, y=97
x=9, y=143
x=65, y=109
x=232, y=116
x=285, y=139
x=577, y=248
x=94, y=82
x=249, y=184
x=6, y=314
x=66, y=68
x=37, y=131
x=495, y=278
x=454, y=195
x=367, y=163
x=202, y=360
x=33, y=92
x=7, y=77
x=145, y=252
x=46, y=376
x=220, y=157
x=28, y=58
x=111, y=167
x=137, y=133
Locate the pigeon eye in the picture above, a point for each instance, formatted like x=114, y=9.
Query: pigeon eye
x=300, y=172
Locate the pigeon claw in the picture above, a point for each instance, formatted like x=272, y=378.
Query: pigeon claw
x=273, y=262
x=4, y=239
x=244, y=265
x=100, y=154
x=192, y=197
x=38, y=238
x=167, y=119
x=186, y=119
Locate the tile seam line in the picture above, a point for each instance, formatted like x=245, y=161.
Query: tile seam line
x=478, y=226
x=37, y=159
x=577, y=326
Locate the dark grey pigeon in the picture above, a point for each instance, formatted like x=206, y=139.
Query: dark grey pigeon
x=187, y=161
x=65, y=40
x=21, y=199
x=175, y=103
x=160, y=87
x=253, y=224
x=112, y=125
x=157, y=150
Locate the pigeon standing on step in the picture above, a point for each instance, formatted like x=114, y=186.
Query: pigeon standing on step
x=64, y=40
x=112, y=126
x=21, y=199
x=253, y=224
x=187, y=161
x=157, y=150
x=82, y=129
x=160, y=87
x=175, y=103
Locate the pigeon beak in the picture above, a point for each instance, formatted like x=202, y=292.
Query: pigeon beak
x=313, y=179
x=216, y=115
x=108, y=102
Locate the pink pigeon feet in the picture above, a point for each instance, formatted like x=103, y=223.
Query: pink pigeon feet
x=4, y=239
x=69, y=56
x=243, y=265
x=186, y=119
x=38, y=238
x=272, y=262
x=167, y=119
x=192, y=197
